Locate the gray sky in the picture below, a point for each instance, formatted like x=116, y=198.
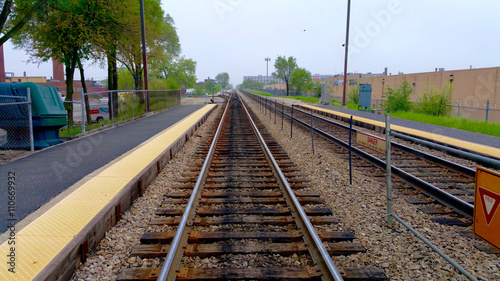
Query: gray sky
x=235, y=36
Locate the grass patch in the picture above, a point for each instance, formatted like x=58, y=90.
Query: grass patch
x=259, y=93
x=339, y=104
x=304, y=99
x=482, y=127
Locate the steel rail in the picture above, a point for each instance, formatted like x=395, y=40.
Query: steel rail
x=455, y=166
x=174, y=254
x=318, y=252
x=440, y=195
x=483, y=159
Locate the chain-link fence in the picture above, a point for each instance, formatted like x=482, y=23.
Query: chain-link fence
x=475, y=110
x=16, y=129
x=109, y=108
x=282, y=92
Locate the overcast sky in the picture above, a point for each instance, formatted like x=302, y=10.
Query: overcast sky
x=235, y=36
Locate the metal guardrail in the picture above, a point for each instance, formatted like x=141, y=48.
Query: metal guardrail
x=443, y=197
x=391, y=214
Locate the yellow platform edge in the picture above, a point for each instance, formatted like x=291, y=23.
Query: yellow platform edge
x=50, y=247
x=484, y=149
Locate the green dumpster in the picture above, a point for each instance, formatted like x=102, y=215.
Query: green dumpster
x=48, y=113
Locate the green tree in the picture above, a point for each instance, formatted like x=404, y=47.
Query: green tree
x=353, y=94
x=397, y=100
x=179, y=71
x=63, y=32
x=161, y=38
x=284, y=68
x=250, y=84
x=435, y=102
x=125, y=79
x=208, y=85
x=198, y=90
x=301, y=79
x=317, y=89
x=223, y=79
x=16, y=14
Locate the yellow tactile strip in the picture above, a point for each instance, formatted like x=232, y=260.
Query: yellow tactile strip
x=39, y=242
x=485, y=149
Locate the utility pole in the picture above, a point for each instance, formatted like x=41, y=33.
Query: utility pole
x=267, y=70
x=346, y=45
x=144, y=59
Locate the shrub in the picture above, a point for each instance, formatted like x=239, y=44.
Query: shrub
x=397, y=100
x=435, y=103
x=353, y=94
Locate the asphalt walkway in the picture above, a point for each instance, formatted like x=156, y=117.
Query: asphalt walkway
x=43, y=175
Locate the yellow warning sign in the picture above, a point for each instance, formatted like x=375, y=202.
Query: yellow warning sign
x=486, y=206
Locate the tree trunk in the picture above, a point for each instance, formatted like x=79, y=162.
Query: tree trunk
x=70, y=64
x=139, y=85
x=114, y=72
x=286, y=81
x=84, y=87
x=112, y=83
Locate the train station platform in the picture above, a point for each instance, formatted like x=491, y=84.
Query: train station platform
x=485, y=144
x=67, y=196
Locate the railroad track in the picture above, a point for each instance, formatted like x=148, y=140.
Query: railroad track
x=238, y=216
x=444, y=189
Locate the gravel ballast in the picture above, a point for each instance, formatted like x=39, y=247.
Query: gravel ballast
x=361, y=208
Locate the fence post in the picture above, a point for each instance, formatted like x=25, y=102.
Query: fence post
x=388, y=167
x=165, y=99
x=112, y=105
x=312, y=131
x=458, y=108
x=487, y=108
x=282, y=114
x=270, y=109
x=350, y=150
x=30, y=121
x=83, y=111
x=132, y=96
x=291, y=124
x=275, y=111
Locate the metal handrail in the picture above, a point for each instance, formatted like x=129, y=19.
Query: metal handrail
x=14, y=97
x=326, y=262
x=442, y=196
x=483, y=159
x=166, y=269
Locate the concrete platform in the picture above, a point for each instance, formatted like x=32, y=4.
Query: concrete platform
x=95, y=179
x=484, y=144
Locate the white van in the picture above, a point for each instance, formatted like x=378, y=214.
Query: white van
x=99, y=112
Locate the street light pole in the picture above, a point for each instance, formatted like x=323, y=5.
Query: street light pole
x=346, y=50
x=267, y=70
x=143, y=33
